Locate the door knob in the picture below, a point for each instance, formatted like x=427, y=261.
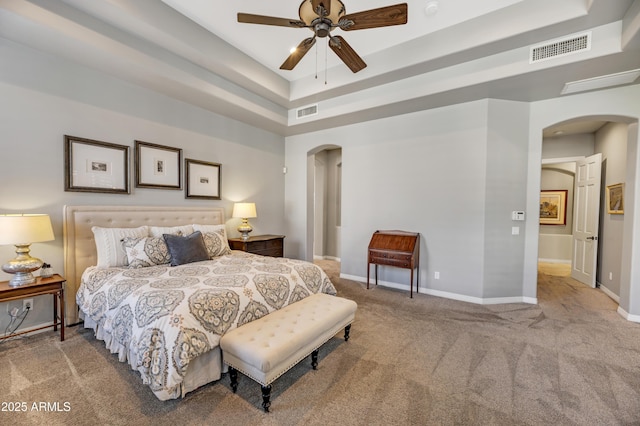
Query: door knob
x=592, y=238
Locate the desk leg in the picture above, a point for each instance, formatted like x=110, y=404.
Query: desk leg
x=376, y=274
x=62, y=314
x=368, y=269
x=411, y=285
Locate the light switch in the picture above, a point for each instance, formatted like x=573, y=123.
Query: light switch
x=515, y=230
x=517, y=215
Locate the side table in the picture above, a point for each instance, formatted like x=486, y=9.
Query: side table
x=265, y=245
x=53, y=285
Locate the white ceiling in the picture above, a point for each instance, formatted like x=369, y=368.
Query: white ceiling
x=196, y=52
x=270, y=45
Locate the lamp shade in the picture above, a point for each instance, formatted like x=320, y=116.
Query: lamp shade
x=244, y=210
x=25, y=228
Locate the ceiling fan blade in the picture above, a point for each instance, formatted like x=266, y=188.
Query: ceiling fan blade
x=346, y=53
x=374, y=18
x=297, y=54
x=326, y=4
x=248, y=18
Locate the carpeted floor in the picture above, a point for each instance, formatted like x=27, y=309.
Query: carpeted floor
x=571, y=360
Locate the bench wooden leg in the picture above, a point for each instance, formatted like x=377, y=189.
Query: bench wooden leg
x=347, y=329
x=233, y=375
x=314, y=359
x=266, y=396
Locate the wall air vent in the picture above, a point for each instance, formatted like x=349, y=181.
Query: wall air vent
x=561, y=47
x=307, y=111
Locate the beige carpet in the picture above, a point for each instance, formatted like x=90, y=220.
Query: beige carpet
x=571, y=360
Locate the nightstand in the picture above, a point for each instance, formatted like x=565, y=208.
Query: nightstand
x=53, y=285
x=265, y=245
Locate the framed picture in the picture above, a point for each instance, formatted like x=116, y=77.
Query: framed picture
x=553, y=207
x=615, y=198
x=157, y=166
x=94, y=166
x=202, y=179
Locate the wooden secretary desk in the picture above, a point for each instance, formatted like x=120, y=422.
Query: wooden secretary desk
x=395, y=248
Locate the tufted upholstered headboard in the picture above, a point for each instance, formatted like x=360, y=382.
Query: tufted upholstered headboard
x=80, y=248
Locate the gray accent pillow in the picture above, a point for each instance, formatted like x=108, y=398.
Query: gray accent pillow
x=186, y=249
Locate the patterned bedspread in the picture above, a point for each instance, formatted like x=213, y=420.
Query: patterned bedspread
x=160, y=318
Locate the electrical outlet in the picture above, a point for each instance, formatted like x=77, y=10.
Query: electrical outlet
x=436, y=275
x=27, y=304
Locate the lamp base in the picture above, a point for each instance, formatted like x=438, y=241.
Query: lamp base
x=22, y=266
x=244, y=228
x=22, y=278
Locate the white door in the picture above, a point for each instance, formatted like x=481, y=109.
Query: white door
x=586, y=213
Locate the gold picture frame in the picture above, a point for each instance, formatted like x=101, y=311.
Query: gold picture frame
x=553, y=207
x=615, y=198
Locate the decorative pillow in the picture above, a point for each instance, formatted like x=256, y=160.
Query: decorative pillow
x=216, y=243
x=215, y=239
x=146, y=251
x=159, y=231
x=208, y=228
x=186, y=249
x=109, y=244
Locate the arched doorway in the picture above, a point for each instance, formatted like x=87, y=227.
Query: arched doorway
x=324, y=202
x=565, y=143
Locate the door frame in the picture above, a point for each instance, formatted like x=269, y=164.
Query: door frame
x=559, y=160
x=550, y=113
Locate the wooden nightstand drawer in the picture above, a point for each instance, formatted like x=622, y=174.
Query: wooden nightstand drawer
x=264, y=245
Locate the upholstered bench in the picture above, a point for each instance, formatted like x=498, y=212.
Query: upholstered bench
x=266, y=348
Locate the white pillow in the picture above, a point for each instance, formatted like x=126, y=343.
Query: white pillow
x=109, y=244
x=209, y=228
x=158, y=231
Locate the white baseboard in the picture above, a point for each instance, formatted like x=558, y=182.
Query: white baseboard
x=335, y=259
x=609, y=293
x=563, y=261
x=628, y=316
x=448, y=295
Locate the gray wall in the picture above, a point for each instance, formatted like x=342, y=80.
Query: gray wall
x=437, y=172
x=611, y=141
x=578, y=145
x=44, y=98
x=442, y=173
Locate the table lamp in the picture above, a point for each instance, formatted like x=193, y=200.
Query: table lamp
x=244, y=211
x=21, y=230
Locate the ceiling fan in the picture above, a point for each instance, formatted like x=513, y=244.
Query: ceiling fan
x=322, y=17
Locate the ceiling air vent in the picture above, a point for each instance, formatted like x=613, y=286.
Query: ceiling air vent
x=561, y=47
x=307, y=111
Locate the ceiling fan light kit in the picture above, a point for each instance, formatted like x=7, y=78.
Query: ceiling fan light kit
x=324, y=16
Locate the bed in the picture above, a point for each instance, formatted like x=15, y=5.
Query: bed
x=166, y=321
